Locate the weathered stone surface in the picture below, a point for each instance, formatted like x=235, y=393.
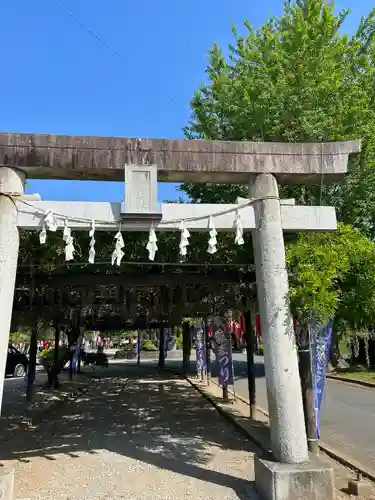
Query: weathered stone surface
x=276, y=481
x=11, y=181
x=178, y=160
x=6, y=483
x=288, y=432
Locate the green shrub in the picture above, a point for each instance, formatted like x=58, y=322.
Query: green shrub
x=260, y=350
x=149, y=345
x=49, y=354
x=121, y=354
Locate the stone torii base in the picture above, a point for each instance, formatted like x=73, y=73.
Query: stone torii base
x=290, y=475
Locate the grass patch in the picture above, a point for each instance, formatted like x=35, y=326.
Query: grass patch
x=356, y=373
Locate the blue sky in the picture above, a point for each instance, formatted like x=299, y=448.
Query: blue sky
x=56, y=78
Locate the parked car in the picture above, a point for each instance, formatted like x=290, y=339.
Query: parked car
x=16, y=362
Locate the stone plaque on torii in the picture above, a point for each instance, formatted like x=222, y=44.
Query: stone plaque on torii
x=260, y=165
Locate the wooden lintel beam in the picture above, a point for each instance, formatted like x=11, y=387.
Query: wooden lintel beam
x=137, y=280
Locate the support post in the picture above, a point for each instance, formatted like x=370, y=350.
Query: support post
x=71, y=367
x=249, y=336
x=308, y=397
x=55, y=381
x=139, y=346
x=11, y=183
x=185, y=347
x=162, y=348
x=208, y=350
x=31, y=369
x=288, y=433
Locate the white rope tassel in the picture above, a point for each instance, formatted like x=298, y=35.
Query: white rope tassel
x=43, y=235
x=67, y=231
x=118, y=254
x=184, y=241
x=69, y=242
x=92, y=243
x=152, y=246
x=239, y=230
x=50, y=221
x=69, y=249
x=212, y=242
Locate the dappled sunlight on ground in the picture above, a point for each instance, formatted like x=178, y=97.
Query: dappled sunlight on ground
x=142, y=435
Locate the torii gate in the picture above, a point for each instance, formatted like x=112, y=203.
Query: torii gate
x=261, y=165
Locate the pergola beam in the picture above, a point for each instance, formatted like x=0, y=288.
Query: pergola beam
x=134, y=280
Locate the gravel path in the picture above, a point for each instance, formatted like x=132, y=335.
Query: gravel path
x=138, y=436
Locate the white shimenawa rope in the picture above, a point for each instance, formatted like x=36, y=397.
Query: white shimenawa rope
x=50, y=223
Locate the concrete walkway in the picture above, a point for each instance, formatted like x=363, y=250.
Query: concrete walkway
x=135, y=434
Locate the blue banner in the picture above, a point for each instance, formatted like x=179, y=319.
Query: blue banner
x=77, y=352
x=200, y=348
x=224, y=358
x=321, y=340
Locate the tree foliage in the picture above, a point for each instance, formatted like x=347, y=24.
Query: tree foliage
x=333, y=275
x=296, y=78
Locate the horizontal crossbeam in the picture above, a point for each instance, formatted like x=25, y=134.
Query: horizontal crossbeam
x=294, y=218
x=48, y=156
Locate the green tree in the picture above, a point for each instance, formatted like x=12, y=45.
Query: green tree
x=333, y=275
x=296, y=78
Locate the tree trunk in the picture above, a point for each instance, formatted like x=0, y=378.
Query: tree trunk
x=335, y=354
x=54, y=379
x=208, y=351
x=308, y=397
x=186, y=346
x=32, y=364
x=162, y=348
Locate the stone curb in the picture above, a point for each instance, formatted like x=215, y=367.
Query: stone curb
x=255, y=437
x=260, y=442
x=339, y=457
x=363, y=383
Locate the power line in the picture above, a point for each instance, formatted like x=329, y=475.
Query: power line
x=116, y=54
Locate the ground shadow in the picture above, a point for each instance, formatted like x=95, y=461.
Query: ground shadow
x=157, y=419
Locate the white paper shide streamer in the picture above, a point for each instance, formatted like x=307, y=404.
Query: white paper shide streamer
x=69, y=242
x=118, y=254
x=152, y=246
x=212, y=242
x=184, y=241
x=50, y=223
x=239, y=230
x=92, y=243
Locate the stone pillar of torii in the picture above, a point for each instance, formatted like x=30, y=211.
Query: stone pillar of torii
x=261, y=165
